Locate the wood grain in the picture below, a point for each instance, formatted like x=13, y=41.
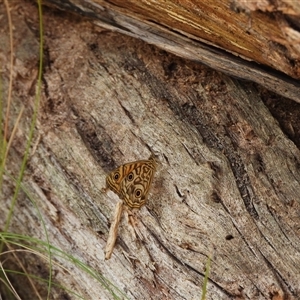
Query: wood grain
x=254, y=42
x=227, y=183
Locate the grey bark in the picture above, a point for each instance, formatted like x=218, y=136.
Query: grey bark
x=227, y=185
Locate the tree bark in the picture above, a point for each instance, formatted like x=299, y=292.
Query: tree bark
x=227, y=184
x=254, y=35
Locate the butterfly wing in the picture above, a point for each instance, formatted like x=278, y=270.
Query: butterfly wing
x=131, y=182
x=135, y=186
x=114, y=179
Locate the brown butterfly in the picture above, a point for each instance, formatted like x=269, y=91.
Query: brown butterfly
x=131, y=182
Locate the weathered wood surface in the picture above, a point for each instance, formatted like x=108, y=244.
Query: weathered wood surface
x=254, y=35
x=227, y=183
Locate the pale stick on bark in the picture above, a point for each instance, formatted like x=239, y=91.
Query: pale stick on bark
x=113, y=231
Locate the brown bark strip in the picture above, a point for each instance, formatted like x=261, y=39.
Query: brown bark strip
x=196, y=31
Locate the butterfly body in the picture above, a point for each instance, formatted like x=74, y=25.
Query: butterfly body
x=132, y=181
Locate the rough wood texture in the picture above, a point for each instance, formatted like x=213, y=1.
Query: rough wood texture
x=253, y=36
x=227, y=184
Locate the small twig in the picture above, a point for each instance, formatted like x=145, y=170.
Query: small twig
x=113, y=231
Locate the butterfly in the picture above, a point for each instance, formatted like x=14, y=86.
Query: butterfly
x=132, y=181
